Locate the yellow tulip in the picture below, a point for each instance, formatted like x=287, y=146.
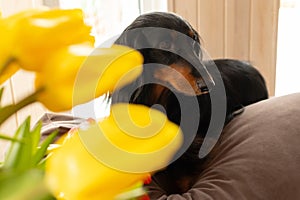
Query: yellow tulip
x=5, y=43
x=75, y=170
x=7, y=66
x=30, y=37
x=38, y=34
x=77, y=74
x=8, y=35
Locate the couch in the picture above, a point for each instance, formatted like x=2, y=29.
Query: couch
x=257, y=157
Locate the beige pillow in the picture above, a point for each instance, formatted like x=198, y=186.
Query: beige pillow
x=258, y=156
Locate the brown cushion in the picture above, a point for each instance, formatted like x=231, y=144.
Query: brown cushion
x=258, y=156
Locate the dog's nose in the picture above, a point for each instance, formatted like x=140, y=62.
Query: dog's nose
x=203, y=87
x=204, y=80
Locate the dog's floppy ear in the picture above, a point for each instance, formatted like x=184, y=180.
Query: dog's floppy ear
x=136, y=39
x=133, y=38
x=197, y=46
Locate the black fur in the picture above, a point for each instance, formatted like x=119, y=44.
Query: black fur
x=243, y=85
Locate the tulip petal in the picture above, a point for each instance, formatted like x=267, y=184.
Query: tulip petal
x=74, y=171
x=135, y=134
x=74, y=76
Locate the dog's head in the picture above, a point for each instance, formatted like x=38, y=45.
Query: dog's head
x=172, y=58
x=174, y=75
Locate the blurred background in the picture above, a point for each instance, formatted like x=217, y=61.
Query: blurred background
x=266, y=33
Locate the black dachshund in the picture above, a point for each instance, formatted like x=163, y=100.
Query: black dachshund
x=176, y=78
x=167, y=40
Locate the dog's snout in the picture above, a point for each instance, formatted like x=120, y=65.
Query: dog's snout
x=204, y=80
x=202, y=86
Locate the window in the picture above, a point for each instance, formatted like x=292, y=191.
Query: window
x=108, y=19
x=288, y=68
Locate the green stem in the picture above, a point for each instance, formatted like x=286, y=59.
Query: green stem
x=9, y=110
x=1, y=92
x=4, y=137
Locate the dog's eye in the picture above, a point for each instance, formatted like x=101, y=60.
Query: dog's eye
x=165, y=44
x=202, y=86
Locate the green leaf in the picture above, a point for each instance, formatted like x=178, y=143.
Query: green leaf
x=28, y=184
x=19, y=154
x=43, y=148
x=35, y=137
x=5, y=137
x=11, y=109
x=42, y=164
x=22, y=172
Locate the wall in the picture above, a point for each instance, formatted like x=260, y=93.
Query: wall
x=241, y=29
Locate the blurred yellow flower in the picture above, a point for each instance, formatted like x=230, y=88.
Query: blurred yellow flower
x=6, y=46
x=138, y=135
x=80, y=73
x=74, y=171
x=30, y=37
x=41, y=34
x=8, y=39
